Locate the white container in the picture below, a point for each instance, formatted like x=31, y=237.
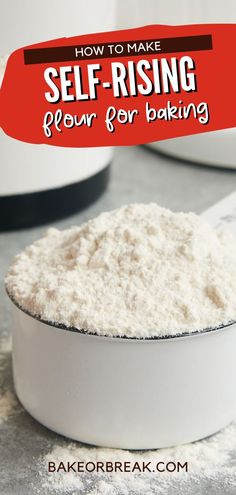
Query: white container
x=216, y=148
x=29, y=22
x=39, y=183
x=125, y=393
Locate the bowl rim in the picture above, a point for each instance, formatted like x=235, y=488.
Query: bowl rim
x=161, y=338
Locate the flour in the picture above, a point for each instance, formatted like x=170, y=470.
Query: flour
x=209, y=460
x=9, y=406
x=5, y=349
x=138, y=271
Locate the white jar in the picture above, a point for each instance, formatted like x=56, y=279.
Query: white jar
x=213, y=148
x=40, y=183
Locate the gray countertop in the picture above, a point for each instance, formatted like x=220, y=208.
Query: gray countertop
x=137, y=175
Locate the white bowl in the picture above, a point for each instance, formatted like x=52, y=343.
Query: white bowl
x=215, y=148
x=125, y=393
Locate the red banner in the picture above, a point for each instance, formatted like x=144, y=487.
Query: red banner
x=122, y=88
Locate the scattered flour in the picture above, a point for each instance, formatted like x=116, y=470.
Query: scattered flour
x=212, y=459
x=5, y=349
x=5, y=345
x=9, y=404
x=138, y=271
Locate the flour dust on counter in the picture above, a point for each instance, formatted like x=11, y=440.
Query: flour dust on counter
x=9, y=405
x=211, y=460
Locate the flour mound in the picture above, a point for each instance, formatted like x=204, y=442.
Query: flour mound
x=138, y=271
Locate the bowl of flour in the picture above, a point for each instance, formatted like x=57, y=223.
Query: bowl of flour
x=124, y=332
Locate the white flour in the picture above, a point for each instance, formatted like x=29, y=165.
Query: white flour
x=138, y=271
x=209, y=460
x=8, y=402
